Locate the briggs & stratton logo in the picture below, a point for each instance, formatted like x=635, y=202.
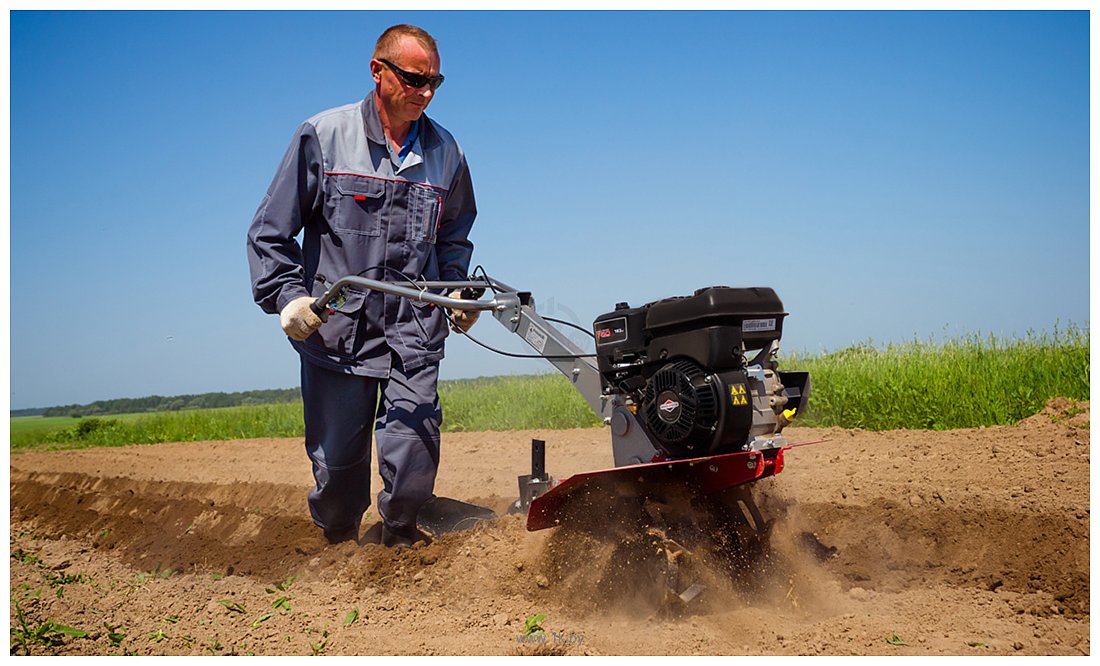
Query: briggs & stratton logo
x=669, y=406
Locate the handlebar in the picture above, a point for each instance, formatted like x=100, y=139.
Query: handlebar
x=471, y=291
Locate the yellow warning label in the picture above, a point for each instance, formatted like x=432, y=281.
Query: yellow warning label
x=739, y=400
x=737, y=389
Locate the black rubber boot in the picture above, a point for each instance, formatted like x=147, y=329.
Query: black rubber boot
x=399, y=537
x=340, y=536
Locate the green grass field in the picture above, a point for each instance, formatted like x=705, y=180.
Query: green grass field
x=964, y=382
x=36, y=429
x=22, y=424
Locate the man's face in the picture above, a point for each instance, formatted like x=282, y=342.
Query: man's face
x=402, y=102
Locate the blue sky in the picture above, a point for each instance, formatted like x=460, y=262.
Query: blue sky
x=891, y=174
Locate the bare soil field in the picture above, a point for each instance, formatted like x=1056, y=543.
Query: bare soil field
x=971, y=542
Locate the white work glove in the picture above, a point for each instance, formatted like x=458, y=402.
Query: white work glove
x=298, y=321
x=463, y=319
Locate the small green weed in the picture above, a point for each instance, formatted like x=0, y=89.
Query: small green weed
x=158, y=636
x=20, y=555
x=532, y=625
x=896, y=640
x=55, y=579
x=319, y=648
x=232, y=605
x=351, y=617
x=115, y=635
x=58, y=581
x=48, y=634
x=283, y=586
x=282, y=603
x=260, y=620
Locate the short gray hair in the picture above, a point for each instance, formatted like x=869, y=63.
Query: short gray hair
x=387, y=44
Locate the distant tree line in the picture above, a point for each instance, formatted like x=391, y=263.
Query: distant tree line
x=33, y=411
x=159, y=403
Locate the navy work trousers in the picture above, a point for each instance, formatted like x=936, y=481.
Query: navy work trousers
x=341, y=410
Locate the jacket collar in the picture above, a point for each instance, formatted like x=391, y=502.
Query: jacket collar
x=372, y=125
x=371, y=122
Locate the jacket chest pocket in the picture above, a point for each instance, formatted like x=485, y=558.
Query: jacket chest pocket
x=357, y=205
x=425, y=213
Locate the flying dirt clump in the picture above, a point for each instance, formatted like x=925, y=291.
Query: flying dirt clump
x=678, y=554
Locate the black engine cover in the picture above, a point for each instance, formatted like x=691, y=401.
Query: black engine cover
x=712, y=328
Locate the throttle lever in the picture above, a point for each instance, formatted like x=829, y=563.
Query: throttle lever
x=472, y=293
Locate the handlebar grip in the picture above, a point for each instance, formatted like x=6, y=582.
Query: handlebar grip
x=318, y=310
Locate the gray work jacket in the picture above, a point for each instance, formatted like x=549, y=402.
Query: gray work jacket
x=364, y=212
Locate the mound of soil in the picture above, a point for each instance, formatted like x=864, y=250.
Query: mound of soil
x=907, y=542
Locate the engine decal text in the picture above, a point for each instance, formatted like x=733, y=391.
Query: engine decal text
x=612, y=330
x=536, y=339
x=750, y=325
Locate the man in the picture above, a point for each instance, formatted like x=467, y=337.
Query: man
x=382, y=191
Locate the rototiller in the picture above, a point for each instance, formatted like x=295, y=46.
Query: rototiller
x=689, y=387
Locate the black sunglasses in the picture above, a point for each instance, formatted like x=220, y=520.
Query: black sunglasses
x=412, y=79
